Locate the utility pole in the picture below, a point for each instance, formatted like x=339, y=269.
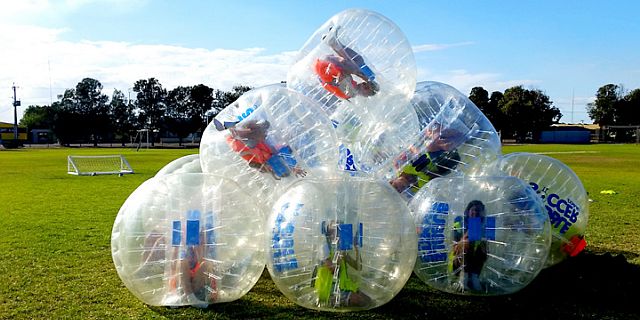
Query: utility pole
x=16, y=103
x=573, y=97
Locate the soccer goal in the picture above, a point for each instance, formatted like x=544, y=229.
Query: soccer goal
x=94, y=165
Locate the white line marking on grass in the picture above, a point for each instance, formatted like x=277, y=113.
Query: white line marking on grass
x=566, y=152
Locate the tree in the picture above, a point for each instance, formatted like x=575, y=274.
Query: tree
x=182, y=117
x=489, y=106
x=150, y=100
x=628, y=111
x=37, y=117
x=230, y=96
x=494, y=113
x=66, y=120
x=223, y=99
x=603, y=110
x=480, y=97
x=529, y=112
x=92, y=109
x=219, y=103
x=203, y=100
x=122, y=116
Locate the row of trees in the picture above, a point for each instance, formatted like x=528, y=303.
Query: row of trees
x=518, y=112
x=522, y=114
x=86, y=114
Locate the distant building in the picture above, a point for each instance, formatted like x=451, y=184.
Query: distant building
x=41, y=136
x=7, y=135
x=570, y=133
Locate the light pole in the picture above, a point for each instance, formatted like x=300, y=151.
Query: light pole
x=16, y=103
x=129, y=91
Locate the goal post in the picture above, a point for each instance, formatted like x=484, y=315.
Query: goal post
x=95, y=165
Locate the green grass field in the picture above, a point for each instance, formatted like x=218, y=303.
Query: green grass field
x=55, y=256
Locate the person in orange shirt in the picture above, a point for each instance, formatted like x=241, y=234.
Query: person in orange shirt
x=249, y=139
x=336, y=71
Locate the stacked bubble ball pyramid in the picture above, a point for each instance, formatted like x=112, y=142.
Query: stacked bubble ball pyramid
x=343, y=183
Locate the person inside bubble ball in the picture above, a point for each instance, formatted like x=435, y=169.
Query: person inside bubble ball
x=336, y=71
x=249, y=139
x=439, y=159
x=469, y=247
x=340, y=262
x=192, y=281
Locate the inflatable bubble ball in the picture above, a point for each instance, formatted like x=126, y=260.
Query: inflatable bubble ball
x=455, y=139
x=480, y=236
x=188, y=239
x=187, y=164
x=244, y=106
x=343, y=244
x=357, y=56
x=285, y=139
x=365, y=138
x=360, y=67
x=563, y=195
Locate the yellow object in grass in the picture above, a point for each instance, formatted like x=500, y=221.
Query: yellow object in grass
x=607, y=192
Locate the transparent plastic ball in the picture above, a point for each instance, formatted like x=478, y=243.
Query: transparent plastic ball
x=340, y=245
x=244, y=106
x=357, y=56
x=360, y=67
x=285, y=139
x=564, y=197
x=188, y=239
x=455, y=139
x=365, y=138
x=480, y=236
x=187, y=164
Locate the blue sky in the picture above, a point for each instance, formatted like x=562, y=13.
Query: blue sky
x=568, y=49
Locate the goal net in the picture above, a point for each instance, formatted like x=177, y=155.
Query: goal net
x=94, y=165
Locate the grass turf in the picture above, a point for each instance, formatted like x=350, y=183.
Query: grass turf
x=55, y=257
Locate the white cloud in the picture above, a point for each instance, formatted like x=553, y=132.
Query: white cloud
x=43, y=66
x=437, y=47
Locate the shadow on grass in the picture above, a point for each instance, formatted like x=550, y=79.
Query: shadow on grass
x=589, y=286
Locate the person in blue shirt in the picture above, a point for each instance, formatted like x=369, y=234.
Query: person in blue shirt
x=470, y=246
